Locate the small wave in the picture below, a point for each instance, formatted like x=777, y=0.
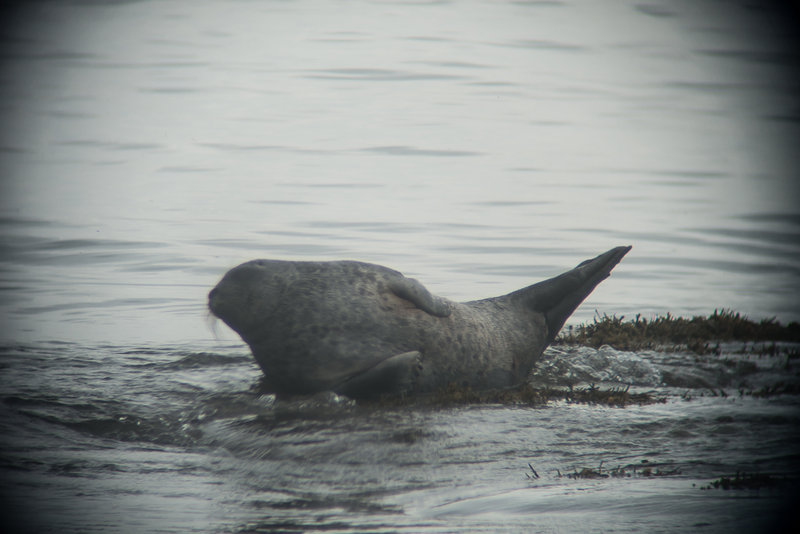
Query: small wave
x=131, y=428
x=731, y=367
x=205, y=359
x=586, y=365
x=100, y=422
x=198, y=360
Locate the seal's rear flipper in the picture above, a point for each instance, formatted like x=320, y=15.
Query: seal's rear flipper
x=558, y=297
x=394, y=375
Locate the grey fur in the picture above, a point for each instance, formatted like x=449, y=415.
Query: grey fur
x=364, y=330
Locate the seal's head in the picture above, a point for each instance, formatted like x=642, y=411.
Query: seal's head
x=244, y=297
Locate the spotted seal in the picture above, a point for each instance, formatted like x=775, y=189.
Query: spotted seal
x=364, y=330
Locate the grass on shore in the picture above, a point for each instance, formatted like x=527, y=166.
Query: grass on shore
x=698, y=334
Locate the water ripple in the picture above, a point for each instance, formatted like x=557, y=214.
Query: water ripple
x=378, y=75
x=413, y=151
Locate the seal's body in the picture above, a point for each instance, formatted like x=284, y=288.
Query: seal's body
x=364, y=330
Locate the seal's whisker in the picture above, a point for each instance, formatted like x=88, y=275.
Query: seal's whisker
x=212, y=321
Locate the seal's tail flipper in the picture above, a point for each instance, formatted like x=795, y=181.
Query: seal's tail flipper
x=558, y=297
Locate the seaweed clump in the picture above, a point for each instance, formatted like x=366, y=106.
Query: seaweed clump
x=645, y=469
x=740, y=481
x=454, y=394
x=524, y=395
x=667, y=331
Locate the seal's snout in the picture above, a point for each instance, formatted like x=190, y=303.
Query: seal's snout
x=212, y=301
x=223, y=304
x=242, y=298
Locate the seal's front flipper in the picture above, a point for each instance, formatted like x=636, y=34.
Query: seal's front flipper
x=392, y=376
x=414, y=292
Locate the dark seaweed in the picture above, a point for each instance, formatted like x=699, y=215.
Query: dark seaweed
x=698, y=334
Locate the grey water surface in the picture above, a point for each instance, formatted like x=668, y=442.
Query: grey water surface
x=477, y=146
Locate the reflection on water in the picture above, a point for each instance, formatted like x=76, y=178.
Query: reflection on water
x=478, y=147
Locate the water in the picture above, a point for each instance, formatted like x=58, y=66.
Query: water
x=106, y=438
x=479, y=147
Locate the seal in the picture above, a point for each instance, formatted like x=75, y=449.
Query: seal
x=364, y=330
